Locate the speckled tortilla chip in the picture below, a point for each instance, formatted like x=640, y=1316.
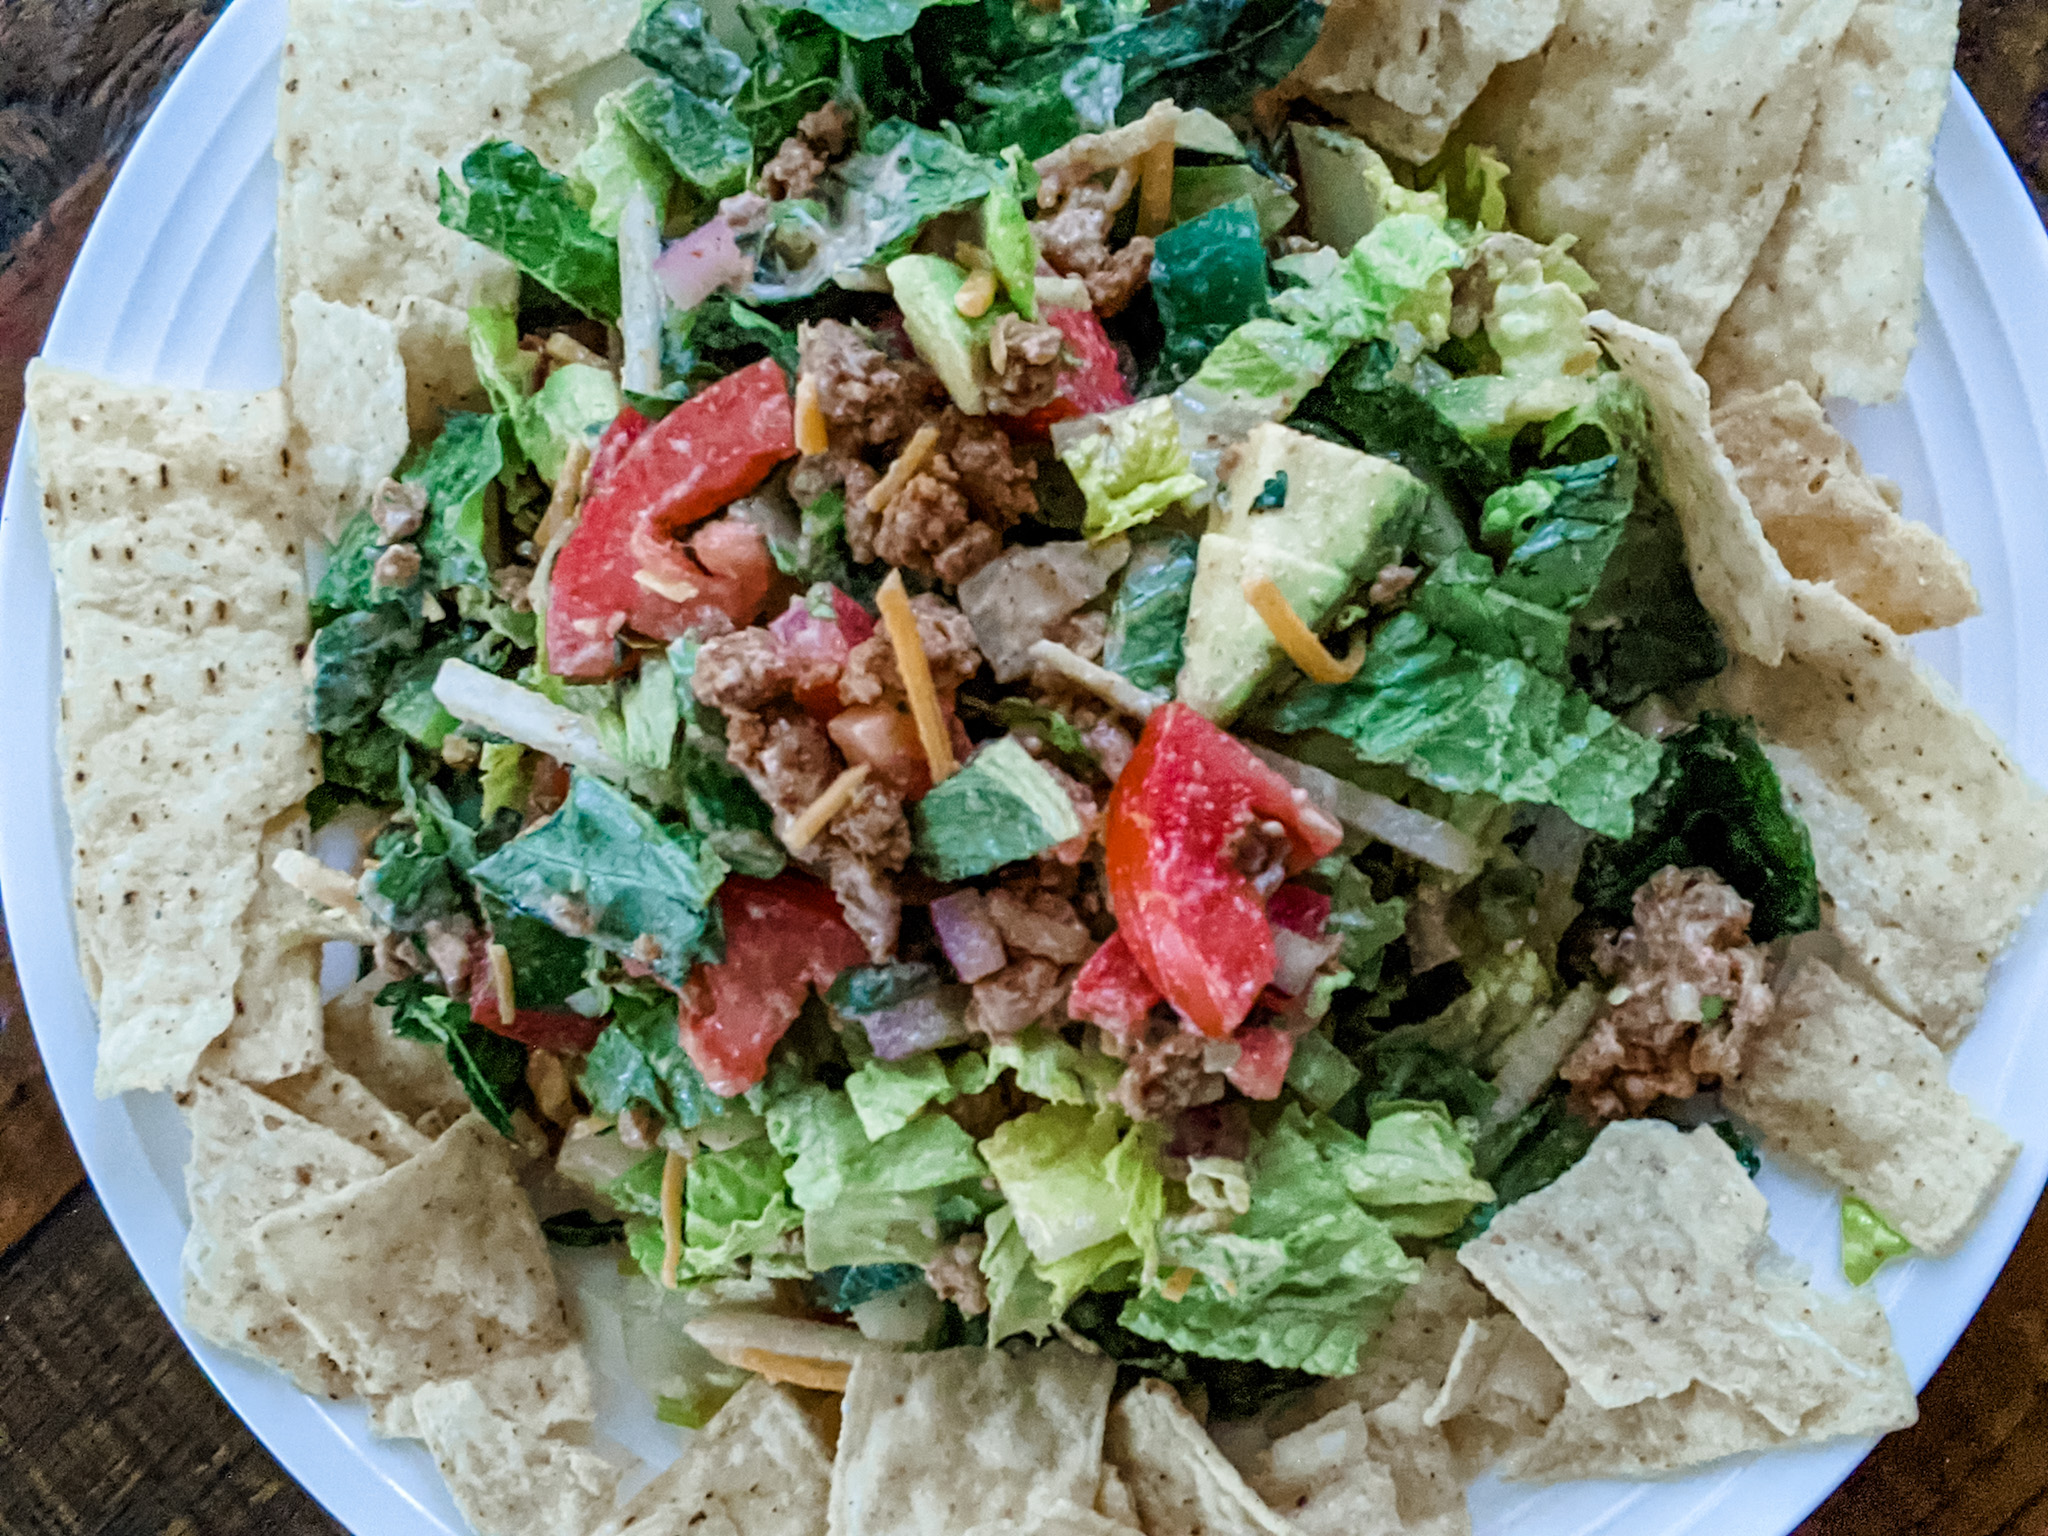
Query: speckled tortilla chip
x=250, y=1158
x=510, y=1476
x=1839, y=1082
x=276, y=1029
x=1502, y=1387
x=348, y=400
x=1417, y=1343
x=1353, y=1473
x=1061, y=1519
x=432, y=1271
x=328, y=1096
x=1179, y=1482
x=1831, y=522
x=174, y=526
x=760, y=1468
x=1647, y=1268
x=412, y=1078
x=1402, y=72
x=555, y=41
x=1029, y=1426
x=1834, y=298
x=1666, y=146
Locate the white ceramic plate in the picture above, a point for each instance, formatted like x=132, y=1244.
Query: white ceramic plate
x=175, y=285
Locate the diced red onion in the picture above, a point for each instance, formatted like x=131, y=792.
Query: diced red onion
x=705, y=260
x=967, y=934
x=1298, y=959
x=921, y=1023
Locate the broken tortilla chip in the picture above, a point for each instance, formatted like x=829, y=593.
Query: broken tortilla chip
x=1418, y=1343
x=1666, y=148
x=328, y=1096
x=1647, y=1268
x=1835, y=1080
x=1030, y=1426
x=1402, y=72
x=1061, y=1519
x=411, y=1077
x=1502, y=1387
x=509, y=1475
x=1353, y=1473
x=1179, y=1483
x=1833, y=301
x=1831, y=522
x=173, y=523
x=347, y=392
x=276, y=1029
x=555, y=41
x=760, y=1468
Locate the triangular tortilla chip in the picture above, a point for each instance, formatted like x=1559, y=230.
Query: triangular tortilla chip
x=328, y=1096
x=1834, y=298
x=508, y=1475
x=1839, y=1082
x=1647, y=1268
x=276, y=1029
x=1418, y=1343
x=557, y=41
x=1354, y=1473
x=411, y=1077
x=933, y=1443
x=1502, y=1387
x=348, y=401
x=760, y=1468
x=1179, y=1482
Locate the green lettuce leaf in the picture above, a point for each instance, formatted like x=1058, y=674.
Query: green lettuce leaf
x=1398, y=276
x=1077, y=1178
x=702, y=143
x=673, y=37
x=1867, y=1241
x=888, y=1095
x=354, y=658
x=868, y=20
x=506, y=776
x=1149, y=614
x=505, y=371
x=1048, y=1068
x=999, y=808
x=509, y=201
x=736, y=1207
x=1199, y=188
x=1471, y=723
x=723, y=807
x=1528, y=1152
x=1412, y=1169
x=491, y=1069
x=1321, y=1073
x=1644, y=630
x=1465, y=599
x=457, y=473
x=718, y=336
x=603, y=869
x=575, y=405
x=617, y=162
x=1208, y=278
x=1717, y=803
x=639, y=1059
x=1131, y=466
x=1559, y=527
x=1301, y=1281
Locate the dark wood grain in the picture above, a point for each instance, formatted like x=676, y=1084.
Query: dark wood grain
x=107, y=1426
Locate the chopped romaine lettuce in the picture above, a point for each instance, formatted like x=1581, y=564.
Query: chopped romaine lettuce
x=1150, y=613
x=457, y=473
x=615, y=163
x=1319, y=1072
x=1644, y=630
x=639, y=1059
x=1198, y=188
x=1867, y=1241
x=672, y=36
x=1130, y=465
x=509, y=201
x=1412, y=1169
x=1077, y=1178
x=1208, y=278
x=491, y=1069
x=736, y=1207
x=999, y=808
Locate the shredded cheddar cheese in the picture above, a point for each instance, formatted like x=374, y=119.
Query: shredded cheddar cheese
x=818, y=1375
x=976, y=294
x=810, y=420
x=916, y=671
x=671, y=1218
x=1155, y=189
x=1296, y=638
x=1100, y=681
x=501, y=982
x=907, y=464
x=1175, y=1285
x=815, y=817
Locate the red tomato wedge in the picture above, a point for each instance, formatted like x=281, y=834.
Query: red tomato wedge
x=1113, y=990
x=782, y=937
x=1096, y=383
x=1261, y=1069
x=1193, y=919
x=707, y=452
x=613, y=444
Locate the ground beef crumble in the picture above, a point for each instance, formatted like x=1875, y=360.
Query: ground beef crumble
x=1034, y=921
x=866, y=396
x=1164, y=1074
x=795, y=169
x=870, y=673
x=1026, y=359
x=1689, y=943
x=1023, y=992
x=1075, y=243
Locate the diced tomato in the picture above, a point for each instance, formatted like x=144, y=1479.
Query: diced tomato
x=817, y=648
x=1300, y=910
x=706, y=453
x=884, y=736
x=547, y=1029
x=613, y=445
x=1095, y=384
x=782, y=937
x=1193, y=919
x=1261, y=1068
x=1113, y=990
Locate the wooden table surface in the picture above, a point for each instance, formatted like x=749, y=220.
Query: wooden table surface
x=106, y=1425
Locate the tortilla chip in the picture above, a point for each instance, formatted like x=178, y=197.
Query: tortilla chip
x=1647, y=1268
x=1502, y=1388
x=1024, y=1429
x=1179, y=1483
x=1113, y=1499
x=1699, y=1425
x=1062, y=1519
x=1666, y=146
x=440, y=372
x=1402, y=72
x=434, y=1270
x=377, y=97
x=348, y=400
x=729, y=1335
x=1839, y=1082
x=251, y=1157
x=411, y=1077
x=1354, y=1473
x=1418, y=1343
x=760, y=1468
x=1831, y=522
x=1927, y=837
x=276, y=1029
x=330, y=1097
x=1834, y=298
x=556, y=41
x=1739, y=577
x=174, y=534
x=509, y=1477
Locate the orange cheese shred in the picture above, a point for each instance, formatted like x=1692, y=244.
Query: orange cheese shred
x=1155, y=188
x=815, y=817
x=818, y=1375
x=810, y=419
x=906, y=464
x=916, y=671
x=671, y=1218
x=1296, y=638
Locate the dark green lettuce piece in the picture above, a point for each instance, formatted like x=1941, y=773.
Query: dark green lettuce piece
x=1716, y=804
x=1150, y=612
x=354, y=658
x=490, y=1068
x=1465, y=599
x=1561, y=527
x=639, y=1059
x=457, y=473
x=1527, y=1152
x=673, y=37
x=869, y=20
x=999, y=808
x=512, y=203
x=1644, y=629
x=1473, y=723
x=702, y=141
x=721, y=335
x=548, y=967
x=603, y=869
x=1208, y=278
x=580, y=1229
x=346, y=583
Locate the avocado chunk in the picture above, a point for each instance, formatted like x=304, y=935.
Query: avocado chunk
x=925, y=287
x=999, y=808
x=1006, y=236
x=1342, y=516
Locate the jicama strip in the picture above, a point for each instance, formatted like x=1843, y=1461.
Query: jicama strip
x=500, y=705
